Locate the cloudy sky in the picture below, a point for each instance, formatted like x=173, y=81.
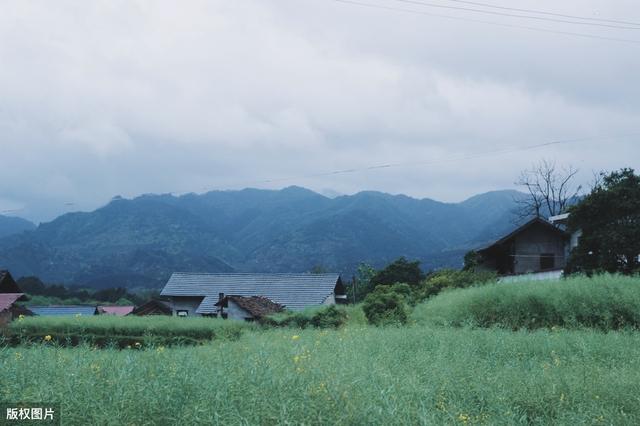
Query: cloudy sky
x=106, y=98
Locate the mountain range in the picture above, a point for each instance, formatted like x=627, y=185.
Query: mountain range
x=139, y=242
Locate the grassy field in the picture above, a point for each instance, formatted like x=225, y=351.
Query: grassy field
x=605, y=302
x=356, y=375
x=428, y=372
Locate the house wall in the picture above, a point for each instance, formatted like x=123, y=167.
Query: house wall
x=179, y=303
x=330, y=300
x=531, y=243
x=236, y=312
x=5, y=318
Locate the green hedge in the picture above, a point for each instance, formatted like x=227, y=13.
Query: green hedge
x=322, y=317
x=605, y=302
x=123, y=331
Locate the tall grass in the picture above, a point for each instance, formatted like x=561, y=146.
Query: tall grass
x=365, y=375
x=605, y=302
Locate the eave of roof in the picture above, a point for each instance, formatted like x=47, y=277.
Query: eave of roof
x=8, y=299
x=522, y=228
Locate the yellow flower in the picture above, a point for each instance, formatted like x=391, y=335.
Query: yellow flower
x=463, y=418
x=47, y=338
x=20, y=317
x=160, y=349
x=295, y=337
x=296, y=359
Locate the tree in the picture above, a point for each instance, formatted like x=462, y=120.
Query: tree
x=387, y=305
x=609, y=219
x=400, y=271
x=361, y=283
x=550, y=190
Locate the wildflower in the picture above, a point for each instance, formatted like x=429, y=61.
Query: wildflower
x=138, y=344
x=160, y=349
x=20, y=317
x=47, y=338
x=561, y=397
x=78, y=315
x=296, y=359
x=295, y=337
x=463, y=418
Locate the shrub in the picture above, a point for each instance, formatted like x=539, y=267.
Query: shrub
x=323, y=317
x=386, y=305
x=604, y=302
x=449, y=278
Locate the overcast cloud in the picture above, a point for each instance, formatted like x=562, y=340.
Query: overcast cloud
x=105, y=98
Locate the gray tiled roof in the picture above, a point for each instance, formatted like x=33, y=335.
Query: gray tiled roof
x=295, y=291
x=66, y=310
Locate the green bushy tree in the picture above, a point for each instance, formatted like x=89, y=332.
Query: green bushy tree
x=609, y=218
x=399, y=271
x=387, y=305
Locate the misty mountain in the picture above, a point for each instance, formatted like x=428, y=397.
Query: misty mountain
x=14, y=225
x=140, y=242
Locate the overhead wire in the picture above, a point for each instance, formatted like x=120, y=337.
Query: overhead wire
x=543, y=12
x=513, y=15
x=498, y=151
x=494, y=23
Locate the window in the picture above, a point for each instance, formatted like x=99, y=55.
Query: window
x=547, y=261
x=182, y=313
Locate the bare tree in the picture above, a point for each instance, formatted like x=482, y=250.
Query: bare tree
x=549, y=189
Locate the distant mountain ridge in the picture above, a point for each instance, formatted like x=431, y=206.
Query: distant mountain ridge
x=140, y=242
x=14, y=225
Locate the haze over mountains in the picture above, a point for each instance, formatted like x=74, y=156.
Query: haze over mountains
x=140, y=242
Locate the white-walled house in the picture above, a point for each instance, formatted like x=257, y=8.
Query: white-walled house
x=196, y=294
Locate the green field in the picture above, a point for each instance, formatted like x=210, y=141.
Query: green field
x=417, y=374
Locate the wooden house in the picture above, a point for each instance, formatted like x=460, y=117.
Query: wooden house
x=7, y=283
x=7, y=307
x=538, y=246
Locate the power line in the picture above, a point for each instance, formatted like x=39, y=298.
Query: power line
x=543, y=12
x=479, y=21
x=499, y=151
x=513, y=15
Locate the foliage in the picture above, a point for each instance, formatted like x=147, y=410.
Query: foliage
x=387, y=305
x=605, y=302
x=107, y=330
x=351, y=376
x=609, y=218
x=59, y=294
x=471, y=260
x=361, y=284
x=449, y=278
x=399, y=271
x=319, y=317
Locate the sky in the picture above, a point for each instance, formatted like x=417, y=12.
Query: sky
x=107, y=98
